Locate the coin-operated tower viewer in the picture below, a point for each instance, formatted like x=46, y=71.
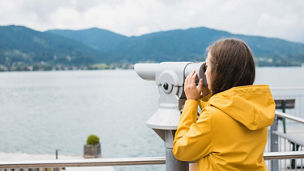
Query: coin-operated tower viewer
x=169, y=78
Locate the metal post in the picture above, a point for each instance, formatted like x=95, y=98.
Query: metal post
x=283, y=119
x=175, y=165
x=295, y=147
x=274, y=145
x=56, y=154
x=171, y=163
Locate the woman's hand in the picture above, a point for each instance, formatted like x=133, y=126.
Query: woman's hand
x=191, y=91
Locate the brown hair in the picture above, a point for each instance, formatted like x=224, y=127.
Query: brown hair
x=232, y=64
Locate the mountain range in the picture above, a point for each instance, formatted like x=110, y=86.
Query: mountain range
x=20, y=45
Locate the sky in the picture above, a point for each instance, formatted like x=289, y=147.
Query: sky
x=271, y=18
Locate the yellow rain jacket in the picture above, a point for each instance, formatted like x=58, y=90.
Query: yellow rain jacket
x=231, y=131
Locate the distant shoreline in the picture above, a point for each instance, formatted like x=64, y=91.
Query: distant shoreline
x=49, y=67
x=97, y=67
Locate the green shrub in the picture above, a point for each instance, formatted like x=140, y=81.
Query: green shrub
x=92, y=140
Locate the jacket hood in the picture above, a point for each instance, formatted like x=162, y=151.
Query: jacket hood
x=253, y=105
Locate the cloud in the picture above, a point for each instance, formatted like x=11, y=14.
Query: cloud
x=272, y=18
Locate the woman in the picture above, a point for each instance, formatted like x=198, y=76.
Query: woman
x=231, y=130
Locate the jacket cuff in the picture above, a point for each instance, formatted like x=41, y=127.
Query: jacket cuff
x=191, y=106
x=191, y=101
x=206, y=98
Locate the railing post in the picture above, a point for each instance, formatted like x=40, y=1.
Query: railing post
x=283, y=119
x=274, y=144
x=295, y=147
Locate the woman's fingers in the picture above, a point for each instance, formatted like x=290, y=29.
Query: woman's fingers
x=191, y=91
x=186, y=84
x=192, y=78
x=188, y=79
x=200, y=85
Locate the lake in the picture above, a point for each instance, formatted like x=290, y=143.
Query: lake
x=44, y=111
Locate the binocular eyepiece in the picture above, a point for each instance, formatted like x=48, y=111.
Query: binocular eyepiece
x=200, y=69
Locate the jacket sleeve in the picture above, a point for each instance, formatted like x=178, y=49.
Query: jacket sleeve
x=193, y=137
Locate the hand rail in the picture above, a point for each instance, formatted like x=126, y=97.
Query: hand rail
x=287, y=88
x=123, y=161
x=294, y=118
x=83, y=162
x=284, y=155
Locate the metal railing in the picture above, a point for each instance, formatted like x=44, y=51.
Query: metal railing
x=290, y=117
x=122, y=161
x=84, y=162
x=285, y=141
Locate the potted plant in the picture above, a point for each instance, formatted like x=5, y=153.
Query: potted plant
x=93, y=148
